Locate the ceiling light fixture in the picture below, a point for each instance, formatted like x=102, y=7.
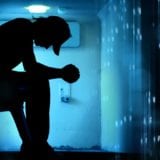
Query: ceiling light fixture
x=37, y=8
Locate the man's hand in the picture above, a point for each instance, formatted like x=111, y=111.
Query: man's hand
x=70, y=73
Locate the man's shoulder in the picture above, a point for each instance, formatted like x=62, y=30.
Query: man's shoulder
x=18, y=21
x=16, y=30
x=16, y=24
x=24, y=20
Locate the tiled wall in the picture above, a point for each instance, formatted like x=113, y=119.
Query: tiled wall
x=122, y=89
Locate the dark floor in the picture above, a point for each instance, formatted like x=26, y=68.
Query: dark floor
x=63, y=155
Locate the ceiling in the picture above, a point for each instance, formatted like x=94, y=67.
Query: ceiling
x=66, y=8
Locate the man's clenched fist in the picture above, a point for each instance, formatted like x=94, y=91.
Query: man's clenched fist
x=70, y=73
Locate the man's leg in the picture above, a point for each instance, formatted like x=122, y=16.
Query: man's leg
x=37, y=110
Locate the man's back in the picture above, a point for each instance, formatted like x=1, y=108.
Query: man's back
x=15, y=41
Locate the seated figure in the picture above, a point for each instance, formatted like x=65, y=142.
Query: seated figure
x=31, y=86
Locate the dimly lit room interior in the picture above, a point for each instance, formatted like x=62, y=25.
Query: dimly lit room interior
x=112, y=112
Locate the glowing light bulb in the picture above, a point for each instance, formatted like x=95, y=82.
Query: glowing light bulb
x=37, y=8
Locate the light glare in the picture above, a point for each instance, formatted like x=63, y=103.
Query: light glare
x=37, y=8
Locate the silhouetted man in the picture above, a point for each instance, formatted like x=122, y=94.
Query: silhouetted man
x=32, y=86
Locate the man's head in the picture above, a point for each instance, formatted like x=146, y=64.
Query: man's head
x=51, y=31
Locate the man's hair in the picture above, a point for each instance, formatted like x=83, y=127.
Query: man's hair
x=55, y=25
x=53, y=28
